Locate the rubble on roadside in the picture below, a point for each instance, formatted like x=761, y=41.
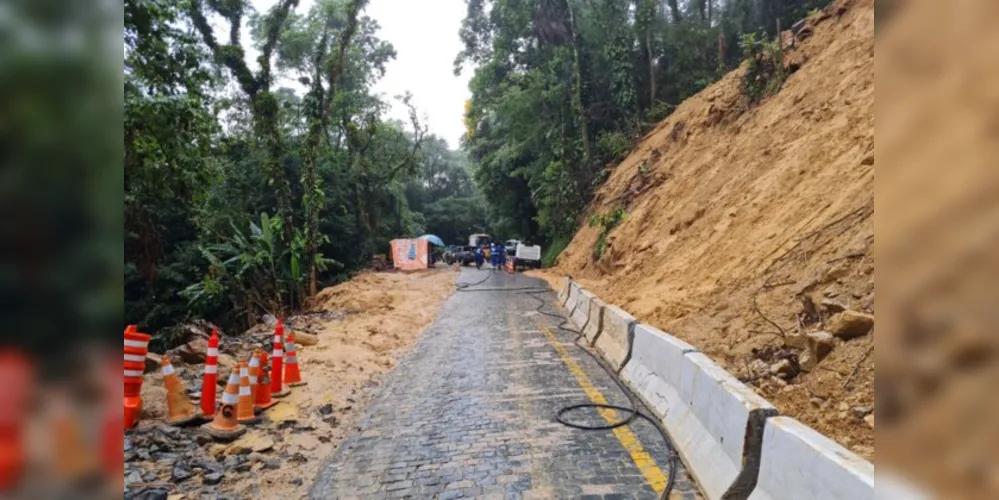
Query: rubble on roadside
x=277, y=456
x=164, y=462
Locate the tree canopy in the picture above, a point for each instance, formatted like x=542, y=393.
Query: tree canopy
x=261, y=165
x=259, y=169
x=562, y=88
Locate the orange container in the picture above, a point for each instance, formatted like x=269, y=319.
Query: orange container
x=135, y=336
x=133, y=377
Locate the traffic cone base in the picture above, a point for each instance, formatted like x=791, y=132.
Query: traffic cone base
x=225, y=426
x=133, y=407
x=260, y=408
x=283, y=394
x=251, y=420
x=224, y=434
x=299, y=384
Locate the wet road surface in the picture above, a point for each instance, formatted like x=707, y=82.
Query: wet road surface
x=469, y=413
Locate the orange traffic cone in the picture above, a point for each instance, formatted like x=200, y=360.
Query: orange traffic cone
x=292, y=375
x=278, y=390
x=211, y=378
x=225, y=426
x=244, y=412
x=136, y=348
x=262, y=400
x=254, y=365
x=180, y=409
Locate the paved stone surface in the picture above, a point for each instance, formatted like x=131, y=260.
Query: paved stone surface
x=469, y=413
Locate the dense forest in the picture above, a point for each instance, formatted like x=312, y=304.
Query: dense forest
x=563, y=88
x=260, y=169
x=261, y=166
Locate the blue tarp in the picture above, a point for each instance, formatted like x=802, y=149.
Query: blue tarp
x=433, y=239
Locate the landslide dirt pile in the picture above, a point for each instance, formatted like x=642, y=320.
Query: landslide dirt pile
x=748, y=230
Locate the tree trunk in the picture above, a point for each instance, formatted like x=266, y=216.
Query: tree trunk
x=320, y=107
x=645, y=16
x=577, y=94
x=652, y=69
x=675, y=10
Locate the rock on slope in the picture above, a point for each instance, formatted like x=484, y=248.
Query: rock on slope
x=749, y=227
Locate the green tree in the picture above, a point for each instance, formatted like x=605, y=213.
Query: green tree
x=563, y=87
x=244, y=202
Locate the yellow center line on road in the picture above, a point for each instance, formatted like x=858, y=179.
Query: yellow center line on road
x=653, y=474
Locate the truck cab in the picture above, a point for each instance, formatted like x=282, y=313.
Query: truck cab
x=527, y=256
x=478, y=240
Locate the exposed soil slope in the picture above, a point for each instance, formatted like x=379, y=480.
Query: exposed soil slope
x=730, y=206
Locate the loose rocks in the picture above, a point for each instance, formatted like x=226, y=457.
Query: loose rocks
x=820, y=344
x=193, y=352
x=306, y=339
x=850, y=324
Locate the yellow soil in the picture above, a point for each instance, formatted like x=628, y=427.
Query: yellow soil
x=728, y=205
x=386, y=312
x=937, y=222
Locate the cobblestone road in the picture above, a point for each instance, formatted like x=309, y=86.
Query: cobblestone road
x=469, y=412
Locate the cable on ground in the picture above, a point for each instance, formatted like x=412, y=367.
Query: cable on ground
x=632, y=413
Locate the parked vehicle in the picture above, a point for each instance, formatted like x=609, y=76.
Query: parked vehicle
x=478, y=240
x=450, y=252
x=528, y=256
x=464, y=255
x=511, y=246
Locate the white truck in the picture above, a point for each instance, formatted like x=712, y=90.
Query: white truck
x=528, y=256
x=477, y=240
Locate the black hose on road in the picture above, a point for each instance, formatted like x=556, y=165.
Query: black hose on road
x=631, y=411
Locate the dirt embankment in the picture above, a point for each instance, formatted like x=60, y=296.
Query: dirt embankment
x=362, y=327
x=747, y=228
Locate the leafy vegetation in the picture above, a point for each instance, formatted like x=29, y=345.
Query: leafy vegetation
x=562, y=88
x=606, y=222
x=765, y=72
x=258, y=170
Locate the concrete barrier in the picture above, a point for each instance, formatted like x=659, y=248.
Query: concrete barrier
x=729, y=437
x=721, y=437
x=614, y=341
x=572, y=298
x=563, y=291
x=892, y=487
x=715, y=422
x=581, y=315
x=654, y=370
x=798, y=462
x=596, y=321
